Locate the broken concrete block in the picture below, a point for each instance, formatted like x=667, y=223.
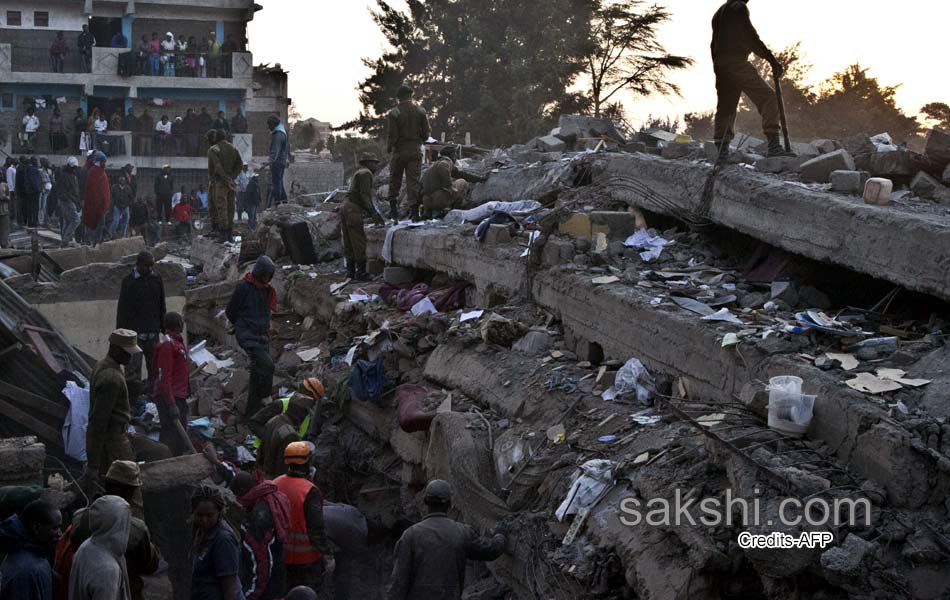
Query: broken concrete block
x=497, y=234
x=938, y=146
x=22, y=459
x=634, y=147
x=780, y=164
x=557, y=252
x=171, y=473
x=826, y=146
x=237, y=384
x=820, y=168
x=677, y=151
x=902, y=163
x=926, y=186
x=582, y=126
x=578, y=226
x=533, y=343
x=398, y=275
x=501, y=331
x=549, y=143
x=877, y=191
x=843, y=563
x=849, y=182
x=800, y=149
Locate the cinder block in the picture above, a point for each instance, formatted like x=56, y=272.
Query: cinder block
x=398, y=275
x=820, y=168
x=849, y=182
x=925, y=186
x=549, y=143
x=557, y=252
x=902, y=163
x=619, y=225
x=497, y=234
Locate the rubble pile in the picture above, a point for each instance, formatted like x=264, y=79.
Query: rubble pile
x=589, y=333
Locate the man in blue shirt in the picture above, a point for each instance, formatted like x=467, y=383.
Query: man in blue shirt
x=26, y=540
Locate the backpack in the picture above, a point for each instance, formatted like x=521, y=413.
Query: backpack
x=367, y=380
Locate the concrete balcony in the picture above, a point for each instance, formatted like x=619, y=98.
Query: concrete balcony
x=32, y=66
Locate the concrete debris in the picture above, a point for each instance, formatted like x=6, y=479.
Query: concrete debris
x=820, y=168
x=928, y=187
x=849, y=182
x=938, y=147
x=846, y=563
x=499, y=331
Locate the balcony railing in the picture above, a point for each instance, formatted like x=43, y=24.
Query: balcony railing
x=180, y=64
x=40, y=60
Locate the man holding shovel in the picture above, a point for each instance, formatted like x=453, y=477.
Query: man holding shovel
x=734, y=38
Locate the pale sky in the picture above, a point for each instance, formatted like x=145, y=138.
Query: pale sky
x=321, y=42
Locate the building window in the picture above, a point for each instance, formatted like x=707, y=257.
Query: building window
x=13, y=18
x=41, y=18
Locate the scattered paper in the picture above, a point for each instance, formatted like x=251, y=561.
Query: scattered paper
x=723, y=314
x=468, y=316
x=361, y=296
x=869, y=384
x=532, y=235
x=446, y=405
x=200, y=355
x=848, y=361
x=556, y=433
x=605, y=280
x=244, y=457
x=350, y=355
x=639, y=460
x=336, y=287
x=730, y=339
x=423, y=306
x=308, y=354
x=651, y=244
x=646, y=420
x=898, y=376
x=693, y=306
x=711, y=420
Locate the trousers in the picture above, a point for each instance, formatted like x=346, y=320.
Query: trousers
x=168, y=434
x=105, y=447
x=261, y=381
x=408, y=163
x=733, y=78
x=354, y=236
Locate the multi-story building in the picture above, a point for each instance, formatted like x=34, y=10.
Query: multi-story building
x=205, y=76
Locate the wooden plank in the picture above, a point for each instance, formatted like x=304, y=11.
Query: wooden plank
x=29, y=400
x=33, y=425
x=43, y=350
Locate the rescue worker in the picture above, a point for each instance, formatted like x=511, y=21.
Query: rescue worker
x=107, y=439
x=444, y=185
x=263, y=535
x=249, y=312
x=430, y=557
x=224, y=165
x=408, y=131
x=280, y=431
x=306, y=554
x=258, y=421
x=347, y=530
x=734, y=37
x=358, y=201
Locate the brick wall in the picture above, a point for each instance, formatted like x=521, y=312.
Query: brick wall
x=315, y=176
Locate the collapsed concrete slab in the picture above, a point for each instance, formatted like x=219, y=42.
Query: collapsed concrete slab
x=826, y=227
x=71, y=258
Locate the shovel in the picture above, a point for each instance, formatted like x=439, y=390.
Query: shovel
x=781, y=110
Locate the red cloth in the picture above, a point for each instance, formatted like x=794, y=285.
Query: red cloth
x=97, y=199
x=272, y=298
x=63, y=565
x=276, y=500
x=182, y=212
x=171, y=363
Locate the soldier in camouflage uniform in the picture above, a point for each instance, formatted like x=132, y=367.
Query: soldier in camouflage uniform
x=408, y=130
x=224, y=165
x=359, y=200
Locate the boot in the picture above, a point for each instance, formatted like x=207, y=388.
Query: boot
x=361, y=274
x=394, y=209
x=350, y=269
x=226, y=236
x=414, y=214
x=776, y=148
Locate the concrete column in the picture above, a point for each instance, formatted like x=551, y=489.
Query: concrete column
x=127, y=29
x=219, y=31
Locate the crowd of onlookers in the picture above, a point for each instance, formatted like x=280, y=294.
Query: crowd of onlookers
x=152, y=135
x=171, y=56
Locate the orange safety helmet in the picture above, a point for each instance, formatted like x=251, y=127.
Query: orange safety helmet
x=298, y=453
x=314, y=386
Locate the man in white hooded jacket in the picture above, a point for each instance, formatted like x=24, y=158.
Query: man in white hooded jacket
x=99, y=571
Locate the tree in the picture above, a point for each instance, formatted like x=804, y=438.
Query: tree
x=699, y=125
x=500, y=69
x=852, y=102
x=939, y=112
x=302, y=135
x=626, y=54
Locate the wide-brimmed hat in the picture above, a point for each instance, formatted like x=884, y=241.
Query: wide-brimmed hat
x=125, y=472
x=368, y=157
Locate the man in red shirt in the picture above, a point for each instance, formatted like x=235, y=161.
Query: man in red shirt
x=171, y=383
x=181, y=213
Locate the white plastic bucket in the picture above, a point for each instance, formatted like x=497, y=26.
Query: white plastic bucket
x=790, y=411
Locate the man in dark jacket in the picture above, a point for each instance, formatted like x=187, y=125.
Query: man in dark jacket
x=141, y=309
x=430, y=557
x=278, y=157
x=121, y=201
x=164, y=190
x=346, y=529
x=68, y=203
x=249, y=312
x=29, y=190
x=239, y=122
x=252, y=200
x=263, y=534
x=734, y=38
x=26, y=540
x=85, y=43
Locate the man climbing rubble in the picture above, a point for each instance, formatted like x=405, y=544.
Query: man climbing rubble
x=358, y=201
x=444, y=185
x=141, y=309
x=429, y=559
x=307, y=553
x=408, y=131
x=107, y=437
x=259, y=421
x=734, y=37
x=249, y=312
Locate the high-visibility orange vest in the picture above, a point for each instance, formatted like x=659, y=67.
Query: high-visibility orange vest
x=298, y=549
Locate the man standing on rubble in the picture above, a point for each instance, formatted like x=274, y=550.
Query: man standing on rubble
x=67, y=201
x=359, y=200
x=249, y=312
x=444, y=185
x=306, y=552
x=278, y=157
x=408, y=131
x=430, y=557
x=142, y=308
x=224, y=165
x=107, y=437
x=734, y=37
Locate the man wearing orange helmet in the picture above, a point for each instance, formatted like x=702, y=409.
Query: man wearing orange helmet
x=282, y=422
x=306, y=553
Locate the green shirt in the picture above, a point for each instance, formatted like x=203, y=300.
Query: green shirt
x=408, y=127
x=109, y=409
x=361, y=193
x=224, y=162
